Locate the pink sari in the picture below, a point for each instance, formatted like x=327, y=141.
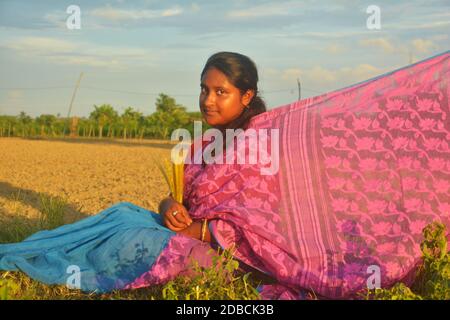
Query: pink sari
x=362, y=170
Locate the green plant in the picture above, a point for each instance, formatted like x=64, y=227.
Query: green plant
x=5, y=288
x=52, y=212
x=398, y=292
x=18, y=286
x=432, y=280
x=15, y=229
x=16, y=198
x=221, y=281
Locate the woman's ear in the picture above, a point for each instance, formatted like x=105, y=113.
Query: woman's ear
x=247, y=97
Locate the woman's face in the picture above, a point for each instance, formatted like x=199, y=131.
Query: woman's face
x=220, y=101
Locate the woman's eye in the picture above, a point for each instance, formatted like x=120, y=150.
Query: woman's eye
x=219, y=92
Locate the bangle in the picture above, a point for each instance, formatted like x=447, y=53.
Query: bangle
x=204, y=224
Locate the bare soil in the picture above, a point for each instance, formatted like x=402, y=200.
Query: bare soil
x=90, y=175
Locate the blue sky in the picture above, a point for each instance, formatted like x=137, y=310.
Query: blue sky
x=129, y=51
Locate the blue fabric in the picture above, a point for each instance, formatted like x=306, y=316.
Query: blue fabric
x=111, y=249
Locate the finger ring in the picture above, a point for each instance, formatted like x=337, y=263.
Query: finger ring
x=175, y=213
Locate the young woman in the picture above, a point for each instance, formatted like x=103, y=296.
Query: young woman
x=361, y=172
x=228, y=100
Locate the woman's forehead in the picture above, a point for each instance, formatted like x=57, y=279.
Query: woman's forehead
x=215, y=78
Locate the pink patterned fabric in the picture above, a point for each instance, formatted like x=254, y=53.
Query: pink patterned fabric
x=174, y=261
x=362, y=171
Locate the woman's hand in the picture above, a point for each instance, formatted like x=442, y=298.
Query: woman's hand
x=175, y=215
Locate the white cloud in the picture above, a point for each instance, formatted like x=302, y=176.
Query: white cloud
x=428, y=25
x=317, y=79
x=415, y=49
x=335, y=48
x=195, y=7
x=319, y=76
x=360, y=72
x=80, y=53
x=265, y=10
x=423, y=45
x=57, y=19
x=333, y=34
x=113, y=14
x=172, y=12
x=88, y=61
x=315, y=74
x=41, y=46
x=440, y=37
x=379, y=43
x=14, y=95
x=290, y=74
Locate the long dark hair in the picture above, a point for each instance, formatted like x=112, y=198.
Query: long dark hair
x=242, y=73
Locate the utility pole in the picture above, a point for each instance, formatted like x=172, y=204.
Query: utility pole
x=299, y=89
x=71, y=102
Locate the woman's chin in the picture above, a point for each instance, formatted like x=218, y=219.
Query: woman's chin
x=211, y=121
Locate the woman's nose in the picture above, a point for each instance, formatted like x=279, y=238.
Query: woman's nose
x=209, y=99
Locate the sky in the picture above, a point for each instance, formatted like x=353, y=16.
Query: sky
x=130, y=51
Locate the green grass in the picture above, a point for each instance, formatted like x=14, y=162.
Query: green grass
x=16, y=229
x=52, y=214
x=220, y=282
x=223, y=281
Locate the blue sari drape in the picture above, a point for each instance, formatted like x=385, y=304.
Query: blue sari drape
x=110, y=249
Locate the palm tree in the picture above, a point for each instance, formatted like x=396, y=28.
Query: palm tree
x=103, y=115
x=24, y=120
x=11, y=122
x=91, y=124
x=125, y=119
x=131, y=120
x=168, y=116
x=142, y=124
x=4, y=124
x=58, y=126
x=46, y=121
x=165, y=103
x=163, y=123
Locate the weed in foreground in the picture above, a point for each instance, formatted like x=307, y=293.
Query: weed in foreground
x=432, y=281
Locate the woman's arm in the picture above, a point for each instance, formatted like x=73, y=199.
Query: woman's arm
x=195, y=231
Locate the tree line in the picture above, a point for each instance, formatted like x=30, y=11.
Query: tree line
x=105, y=121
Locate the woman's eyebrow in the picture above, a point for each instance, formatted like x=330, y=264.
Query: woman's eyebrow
x=202, y=85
